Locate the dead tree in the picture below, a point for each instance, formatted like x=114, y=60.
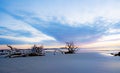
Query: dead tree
x=13, y=51
x=71, y=48
x=10, y=47
x=37, y=51
x=13, y=48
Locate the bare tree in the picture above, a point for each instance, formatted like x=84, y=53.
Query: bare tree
x=70, y=46
x=37, y=51
x=10, y=47
x=13, y=51
x=13, y=48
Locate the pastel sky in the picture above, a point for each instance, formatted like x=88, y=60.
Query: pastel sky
x=89, y=23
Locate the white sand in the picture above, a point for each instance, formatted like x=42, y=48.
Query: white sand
x=75, y=63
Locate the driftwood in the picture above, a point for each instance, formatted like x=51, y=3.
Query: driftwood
x=118, y=54
x=35, y=51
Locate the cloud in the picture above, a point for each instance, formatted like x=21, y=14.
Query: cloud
x=77, y=11
x=17, y=30
x=113, y=37
x=62, y=31
x=113, y=31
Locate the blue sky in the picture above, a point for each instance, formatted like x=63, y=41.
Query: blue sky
x=53, y=22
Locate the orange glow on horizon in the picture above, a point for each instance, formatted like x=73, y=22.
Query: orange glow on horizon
x=103, y=45
x=27, y=46
x=106, y=45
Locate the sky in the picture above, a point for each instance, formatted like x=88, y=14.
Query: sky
x=93, y=24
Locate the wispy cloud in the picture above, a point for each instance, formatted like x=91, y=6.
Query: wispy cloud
x=62, y=31
x=17, y=30
x=77, y=11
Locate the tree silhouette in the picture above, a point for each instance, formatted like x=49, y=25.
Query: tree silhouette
x=13, y=51
x=10, y=47
x=70, y=46
x=37, y=51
